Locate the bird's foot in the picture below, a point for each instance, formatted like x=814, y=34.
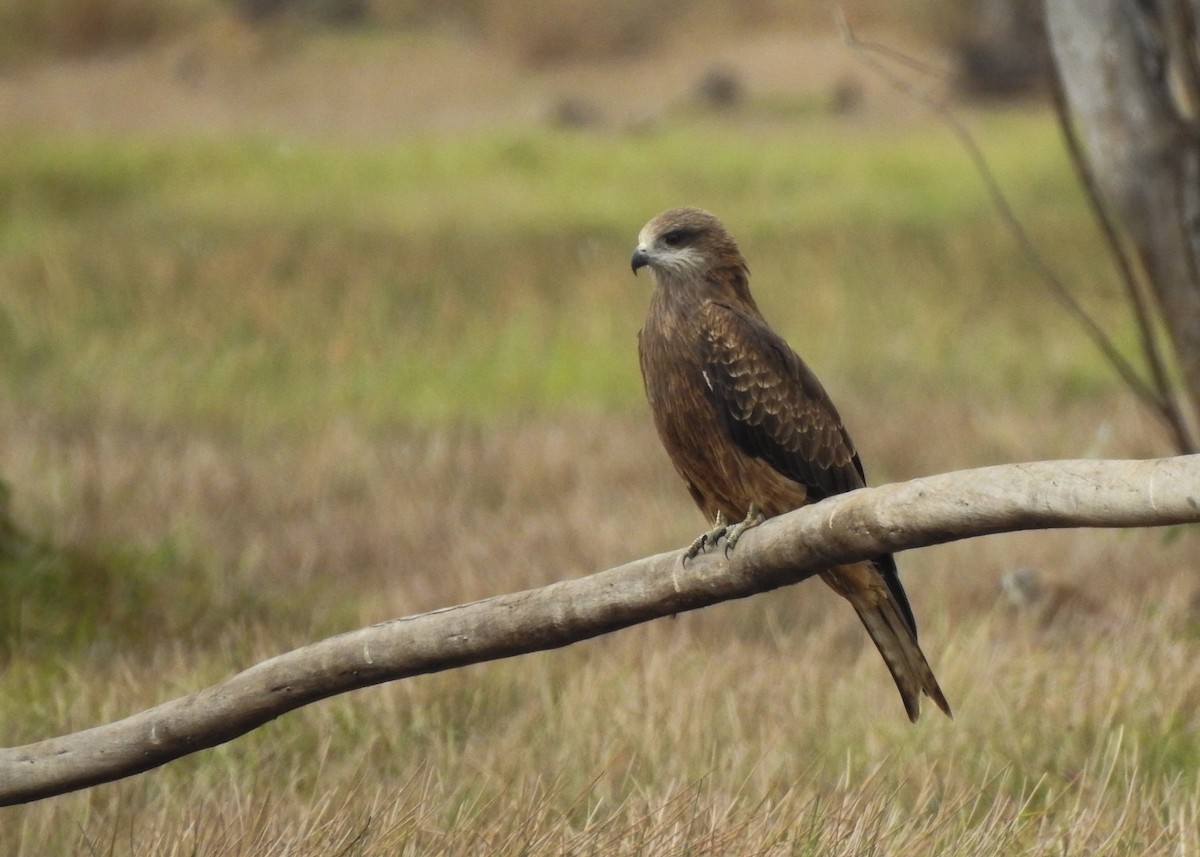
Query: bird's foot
x=724, y=530
x=707, y=539
x=736, y=531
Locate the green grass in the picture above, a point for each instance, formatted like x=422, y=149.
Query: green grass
x=259, y=285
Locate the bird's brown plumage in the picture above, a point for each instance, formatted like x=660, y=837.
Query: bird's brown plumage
x=747, y=424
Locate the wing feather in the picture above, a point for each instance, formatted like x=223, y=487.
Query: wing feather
x=775, y=409
x=773, y=405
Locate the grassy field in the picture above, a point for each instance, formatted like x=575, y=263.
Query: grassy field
x=187, y=281
x=257, y=391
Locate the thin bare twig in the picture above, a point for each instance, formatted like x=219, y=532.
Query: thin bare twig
x=1170, y=408
x=1061, y=292
x=1183, y=46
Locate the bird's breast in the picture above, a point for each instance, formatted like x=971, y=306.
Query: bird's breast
x=694, y=432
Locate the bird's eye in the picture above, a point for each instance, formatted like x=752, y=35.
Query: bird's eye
x=674, y=238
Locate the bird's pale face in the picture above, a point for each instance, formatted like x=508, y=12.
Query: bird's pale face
x=675, y=243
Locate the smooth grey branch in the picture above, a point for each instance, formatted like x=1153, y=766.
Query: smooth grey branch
x=784, y=550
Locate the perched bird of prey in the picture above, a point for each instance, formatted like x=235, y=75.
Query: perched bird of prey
x=748, y=425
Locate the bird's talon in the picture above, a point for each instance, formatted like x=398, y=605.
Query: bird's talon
x=735, y=532
x=706, y=540
x=723, y=530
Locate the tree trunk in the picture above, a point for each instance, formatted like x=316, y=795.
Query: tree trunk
x=1130, y=76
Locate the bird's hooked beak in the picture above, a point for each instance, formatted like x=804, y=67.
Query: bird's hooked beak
x=640, y=259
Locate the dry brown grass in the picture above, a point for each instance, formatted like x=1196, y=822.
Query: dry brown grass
x=35, y=29
x=760, y=727
x=534, y=34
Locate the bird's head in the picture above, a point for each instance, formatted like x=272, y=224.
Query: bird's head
x=685, y=245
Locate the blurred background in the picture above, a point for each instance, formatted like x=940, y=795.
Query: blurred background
x=315, y=313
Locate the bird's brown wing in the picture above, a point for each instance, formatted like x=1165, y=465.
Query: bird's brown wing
x=775, y=409
x=773, y=405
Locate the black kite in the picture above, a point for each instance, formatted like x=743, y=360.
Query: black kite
x=748, y=425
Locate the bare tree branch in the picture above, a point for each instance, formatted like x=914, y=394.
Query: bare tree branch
x=1166, y=404
x=782, y=551
x=1183, y=40
x=1058, y=287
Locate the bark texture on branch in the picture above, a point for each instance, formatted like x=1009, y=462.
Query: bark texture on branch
x=782, y=551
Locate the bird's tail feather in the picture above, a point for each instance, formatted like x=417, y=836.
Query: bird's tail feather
x=898, y=646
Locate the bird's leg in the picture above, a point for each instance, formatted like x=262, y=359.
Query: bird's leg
x=753, y=518
x=707, y=539
x=722, y=529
